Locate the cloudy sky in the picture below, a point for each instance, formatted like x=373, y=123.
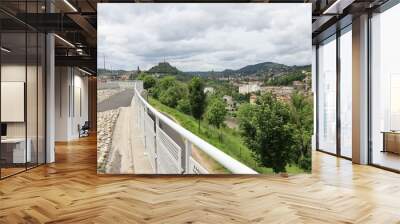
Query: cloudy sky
x=203, y=37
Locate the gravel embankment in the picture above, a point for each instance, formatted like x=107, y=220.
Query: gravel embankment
x=105, y=126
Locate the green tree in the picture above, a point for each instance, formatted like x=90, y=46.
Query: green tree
x=197, y=98
x=246, y=114
x=173, y=94
x=267, y=131
x=286, y=79
x=149, y=82
x=216, y=113
x=301, y=110
x=241, y=98
x=141, y=75
x=184, y=106
x=163, y=84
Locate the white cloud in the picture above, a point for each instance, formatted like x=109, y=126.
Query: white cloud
x=200, y=37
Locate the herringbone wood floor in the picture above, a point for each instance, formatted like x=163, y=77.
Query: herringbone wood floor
x=70, y=191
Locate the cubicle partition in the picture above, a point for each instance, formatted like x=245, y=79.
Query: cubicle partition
x=22, y=77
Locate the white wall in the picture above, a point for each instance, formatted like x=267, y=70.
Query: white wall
x=62, y=81
x=71, y=87
x=12, y=73
x=33, y=126
x=80, y=89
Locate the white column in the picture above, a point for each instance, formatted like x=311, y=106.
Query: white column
x=63, y=104
x=50, y=92
x=50, y=99
x=360, y=90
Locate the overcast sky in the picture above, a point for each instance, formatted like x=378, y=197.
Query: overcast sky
x=203, y=37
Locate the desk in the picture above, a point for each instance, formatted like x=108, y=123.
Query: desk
x=15, y=148
x=391, y=141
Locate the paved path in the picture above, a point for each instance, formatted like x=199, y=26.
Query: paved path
x=141, y=159
x=121, y=161
x=122, y=99
x=127, y=150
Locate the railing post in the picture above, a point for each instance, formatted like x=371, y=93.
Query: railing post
x=139, y=113
x=187, y=153
x=144, y=126
x=156, y=143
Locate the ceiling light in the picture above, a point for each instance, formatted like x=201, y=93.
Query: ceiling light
x=86, y=72
x=5, y=50
x=70, y=5
x=65, y=41
x=79, y=51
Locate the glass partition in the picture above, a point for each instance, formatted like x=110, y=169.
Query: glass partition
x=13, y=114
x=22, y=78
x=385, y=89
x=327, y=95
x=31, y=97
x=346, y=92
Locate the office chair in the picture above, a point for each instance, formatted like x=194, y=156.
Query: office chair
x=84, y=130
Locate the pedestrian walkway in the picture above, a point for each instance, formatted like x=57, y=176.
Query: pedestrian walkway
x=127, y=155
x=140, y=158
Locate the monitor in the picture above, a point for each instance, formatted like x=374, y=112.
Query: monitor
x=3, y=129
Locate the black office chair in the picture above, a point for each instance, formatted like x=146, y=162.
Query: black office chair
x=84, y=130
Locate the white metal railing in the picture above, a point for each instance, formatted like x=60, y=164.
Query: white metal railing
x=165, y=155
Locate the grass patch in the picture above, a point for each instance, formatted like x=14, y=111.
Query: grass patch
x=231, y=142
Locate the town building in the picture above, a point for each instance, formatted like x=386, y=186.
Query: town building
x=230, y=104
x=209, y=90
x=249, y=88
x=253, y=99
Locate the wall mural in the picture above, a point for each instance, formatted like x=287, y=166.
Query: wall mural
x=204, y=89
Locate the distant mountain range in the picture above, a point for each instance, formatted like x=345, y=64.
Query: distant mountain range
x=102, y=71
x=270, y=69
x=260, y=69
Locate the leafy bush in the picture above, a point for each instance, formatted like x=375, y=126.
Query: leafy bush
x=184, y=106
x=163, y=85
x=149, y=82
x=301, y=112
x=173, y=94
x=305, y=163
